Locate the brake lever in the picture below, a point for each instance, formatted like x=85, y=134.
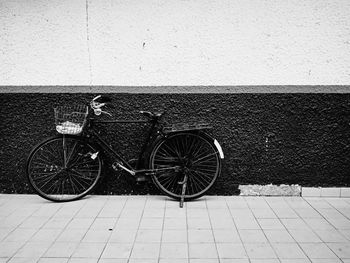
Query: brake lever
x=98, y=112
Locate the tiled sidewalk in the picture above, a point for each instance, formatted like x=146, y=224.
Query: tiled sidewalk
x=145, y=229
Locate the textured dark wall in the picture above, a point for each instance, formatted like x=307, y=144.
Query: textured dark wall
x=267, y=138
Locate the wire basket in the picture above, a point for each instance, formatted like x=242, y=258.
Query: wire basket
x=70, y=119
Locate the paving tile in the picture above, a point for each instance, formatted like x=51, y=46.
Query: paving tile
x=270, y=223
x=330, y=213
x=89, y=250
x=307, y=213
x=117, y=250
x=304, y=235
x=144, y=250
x=153, y=213
x=318, y=223
x=268, y=260
x=115, y=260
x=236, y=202
x=256, y=202
x=171, y=260
x=86, y=260
x=8, y=249
x=33, y=250
x=174, y=250
x=275, y=202
x=252, y=236
x=294, y=223
x=155, y=202
x=259, y=250
x=203, y=251
x=194, y=213
x=278, y=236
x=317, y=250
x=4, y=232
x=174, y=236
x=231, y=250
x=19, y=260
x=216, y=203
x=200, y=236
x=149, y=235
x=326, y=260
x=61, y=250
x=175, y=223
x=263, y=213
x=11, y=222
x=341, y=223
x=249, y=223
x=20, y=234
x=342, y=250
x=295, y=260
x=127, y=223
x=288, y=251
x=111, y=210
x=123, y=236
x=180, y=212
x=46, y=235
x=80, y=223
x=103, y=223
x=131, y=213
x=296, y=202
x=197, y=204
x=330, y=236
x=88, y=212
x=47, y=211
x=346, y=233
x=53, y=260
x=198, y=223
x=97, y=236
x=242, y=213
x=142, y=260
x=233, y=260
x=318, y=202
x=153, y=223
x=219, y=214
x=285, y=212
x=71, y=235
x=59, y=222
x=226, y=236
x=34, y=222
x=135, y=203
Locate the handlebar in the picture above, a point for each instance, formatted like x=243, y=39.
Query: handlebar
x=96, y=106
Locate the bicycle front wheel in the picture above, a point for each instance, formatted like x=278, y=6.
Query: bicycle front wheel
x=198, y=159
x=63, y=168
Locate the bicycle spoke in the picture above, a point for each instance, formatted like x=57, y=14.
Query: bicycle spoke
x=51, y=180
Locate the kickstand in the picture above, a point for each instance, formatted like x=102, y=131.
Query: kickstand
x=184, y=185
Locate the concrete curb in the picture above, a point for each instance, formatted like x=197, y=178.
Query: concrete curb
x=325, y=191
x=293, y=190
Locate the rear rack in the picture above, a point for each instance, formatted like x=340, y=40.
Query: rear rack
x=186, y=127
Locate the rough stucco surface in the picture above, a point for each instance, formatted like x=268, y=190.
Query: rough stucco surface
x=171, y=42
x=267, y=138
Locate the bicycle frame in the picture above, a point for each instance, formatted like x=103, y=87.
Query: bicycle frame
x=121, y=162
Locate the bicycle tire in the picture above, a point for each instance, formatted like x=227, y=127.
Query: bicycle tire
x=194, y=151
x=53, y=180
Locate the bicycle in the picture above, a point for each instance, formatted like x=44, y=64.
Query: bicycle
x=183, y=160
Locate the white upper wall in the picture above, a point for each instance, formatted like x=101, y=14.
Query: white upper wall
x=174, y=42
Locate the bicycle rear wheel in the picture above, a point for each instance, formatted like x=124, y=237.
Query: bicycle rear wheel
x=198, y=158
x=63, y=168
